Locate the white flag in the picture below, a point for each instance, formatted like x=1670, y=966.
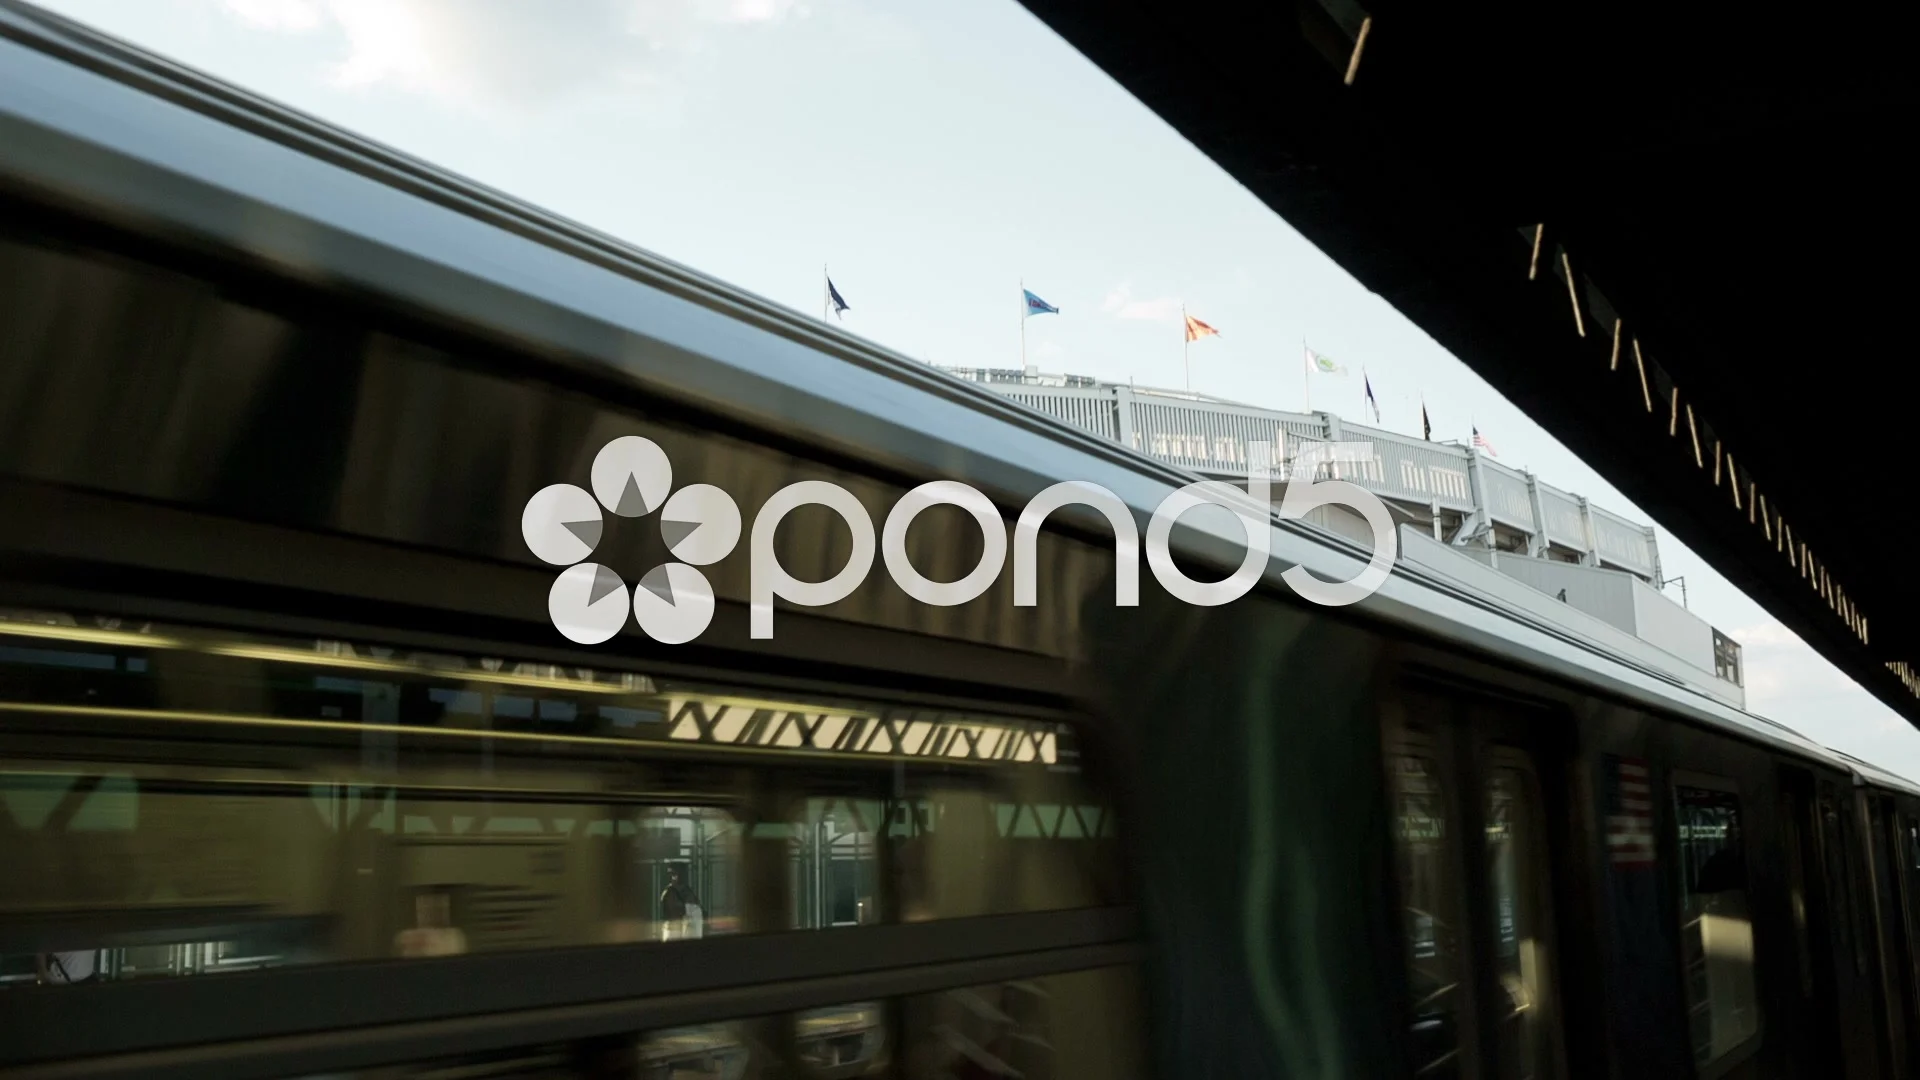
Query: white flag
x=1325, y=365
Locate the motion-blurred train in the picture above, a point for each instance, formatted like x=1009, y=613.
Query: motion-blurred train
x=300, y=779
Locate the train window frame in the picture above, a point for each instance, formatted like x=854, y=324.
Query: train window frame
x=1830, y=824
x=1856, y=829
x=1433, y=742
x=1734, y=1056
x=957, y=947
x=1524, y=763
x=1794, y=856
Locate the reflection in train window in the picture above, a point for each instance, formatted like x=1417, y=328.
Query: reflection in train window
x=1083, y=1025
x=1520, y=889
x=1833, y=842
x=1080, y=1026
x=705, y=1052
x=819, y=1044
x=835, y=863
x=306, y=802
x=1716, y=927
x=1793, y=848
x=1430, y=886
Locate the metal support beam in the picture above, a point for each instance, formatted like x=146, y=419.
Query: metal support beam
x=1537, y=539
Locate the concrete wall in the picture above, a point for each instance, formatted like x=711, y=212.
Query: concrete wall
x=1604, y=594
x=1472, y=570
x=1672, y=627
x=1340, y=520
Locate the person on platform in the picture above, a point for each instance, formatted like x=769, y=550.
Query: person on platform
x=680, y=913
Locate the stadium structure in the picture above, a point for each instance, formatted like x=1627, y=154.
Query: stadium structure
x=1502, y=533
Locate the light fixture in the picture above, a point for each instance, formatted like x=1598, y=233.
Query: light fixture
x=1573, y=293
x=1359, y=44
x=1639, y=361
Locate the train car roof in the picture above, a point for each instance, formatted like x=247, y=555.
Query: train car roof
x=136, y=138
x=1868, y=773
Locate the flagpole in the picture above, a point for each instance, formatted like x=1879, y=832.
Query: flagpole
x=1306, y=374
x=1023, y=326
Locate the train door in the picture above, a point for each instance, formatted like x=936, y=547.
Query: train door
x=1855, y=994
x=1477, y=881
x=1906, y=860
x=1814, y=931
x=1895, y=949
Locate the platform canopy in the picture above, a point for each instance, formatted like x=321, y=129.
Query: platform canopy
x=1568, y=195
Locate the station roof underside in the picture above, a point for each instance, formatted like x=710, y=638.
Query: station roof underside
x=1677, y=238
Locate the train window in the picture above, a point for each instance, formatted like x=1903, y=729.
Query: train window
x=1431, y=890
x=1833, y=843
x=302, y=802
x=1055, y=1027
x=835, y=863
x=1716, y=925
x=1793, y=826
x=1050, y=1028
x=1518, y=886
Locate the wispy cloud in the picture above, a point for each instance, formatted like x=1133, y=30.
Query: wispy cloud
x=511, y=53
x=1783, y=672
x=1786, y=680
x=1121, y=304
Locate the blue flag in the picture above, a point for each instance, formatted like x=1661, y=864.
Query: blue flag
x=834, y=301
x=1037, y=306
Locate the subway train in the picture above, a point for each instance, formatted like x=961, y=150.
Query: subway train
x=313, y=766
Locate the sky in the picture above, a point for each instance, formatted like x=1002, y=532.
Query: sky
x=934, y=157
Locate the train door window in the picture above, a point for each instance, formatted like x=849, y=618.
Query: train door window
x=1429, y=862
x=1519, y=887
x=1836, y=841
x=1885, y=863
x=1716, y=925
x=1793, y=828
x=1838, y=883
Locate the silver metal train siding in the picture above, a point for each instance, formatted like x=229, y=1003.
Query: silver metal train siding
x=292, y=755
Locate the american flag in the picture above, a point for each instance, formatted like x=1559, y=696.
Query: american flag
x=1629, y=812
x=1481, y=442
